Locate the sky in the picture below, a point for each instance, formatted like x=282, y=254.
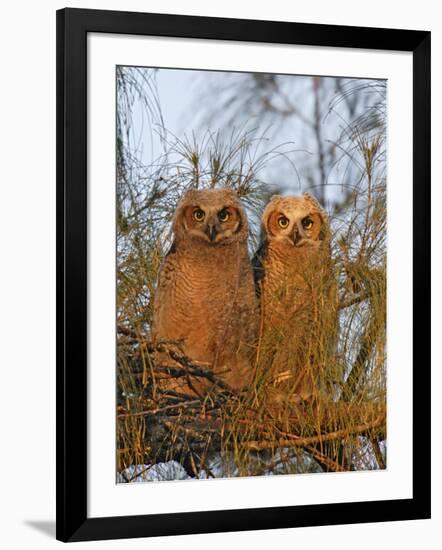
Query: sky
x=187, y=97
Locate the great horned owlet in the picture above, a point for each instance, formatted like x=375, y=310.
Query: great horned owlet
x=295, y=285
x=205, y=297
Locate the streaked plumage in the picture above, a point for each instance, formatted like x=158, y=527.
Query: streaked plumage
x=205, y=296
x=293, y=280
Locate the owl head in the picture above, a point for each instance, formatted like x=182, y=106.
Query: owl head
x=297, y=221
x=211, y=216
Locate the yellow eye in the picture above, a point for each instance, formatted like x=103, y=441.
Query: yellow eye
x=198, y=215
x=307, y=223
x=283, y=222
x=223, y=216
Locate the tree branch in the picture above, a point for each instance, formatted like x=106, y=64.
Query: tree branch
x=296, y=441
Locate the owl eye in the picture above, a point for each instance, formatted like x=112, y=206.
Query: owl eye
x=198, y=215
x=307, y=223
x=283, y=222
x=223, y=216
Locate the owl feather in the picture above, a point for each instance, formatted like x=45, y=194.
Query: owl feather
x=205, y=295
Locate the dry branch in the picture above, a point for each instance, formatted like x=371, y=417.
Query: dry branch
x=378, y=454
x=160, y=411
x=296, y=441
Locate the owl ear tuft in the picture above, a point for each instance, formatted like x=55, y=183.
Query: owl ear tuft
x=315, y=203
x=190, y=194
x=229, y=191
x=313, y=200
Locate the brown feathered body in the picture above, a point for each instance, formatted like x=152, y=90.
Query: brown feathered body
x=298, y=295
x=205, y=299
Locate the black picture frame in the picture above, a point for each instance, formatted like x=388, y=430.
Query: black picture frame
x=73, y=25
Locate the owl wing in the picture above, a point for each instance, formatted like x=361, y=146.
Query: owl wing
x=172, y=249
x=162, y=282
x=258, y=266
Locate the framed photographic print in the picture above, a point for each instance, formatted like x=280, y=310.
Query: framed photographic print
x=243, y=297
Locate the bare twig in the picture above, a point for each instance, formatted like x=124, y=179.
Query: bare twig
x=296, y=441
x=378, y=453
x=154, y=412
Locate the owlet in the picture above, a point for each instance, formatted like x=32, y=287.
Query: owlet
x=205, y=297
x=295, y=284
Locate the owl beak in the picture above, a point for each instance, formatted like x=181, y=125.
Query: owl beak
x=211, y=232
x=296, y=236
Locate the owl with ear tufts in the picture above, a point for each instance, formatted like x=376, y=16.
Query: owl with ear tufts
x=294, y=282
x=205, y=297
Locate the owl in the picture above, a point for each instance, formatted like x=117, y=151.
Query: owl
x=205, y=297
x=294, y=282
